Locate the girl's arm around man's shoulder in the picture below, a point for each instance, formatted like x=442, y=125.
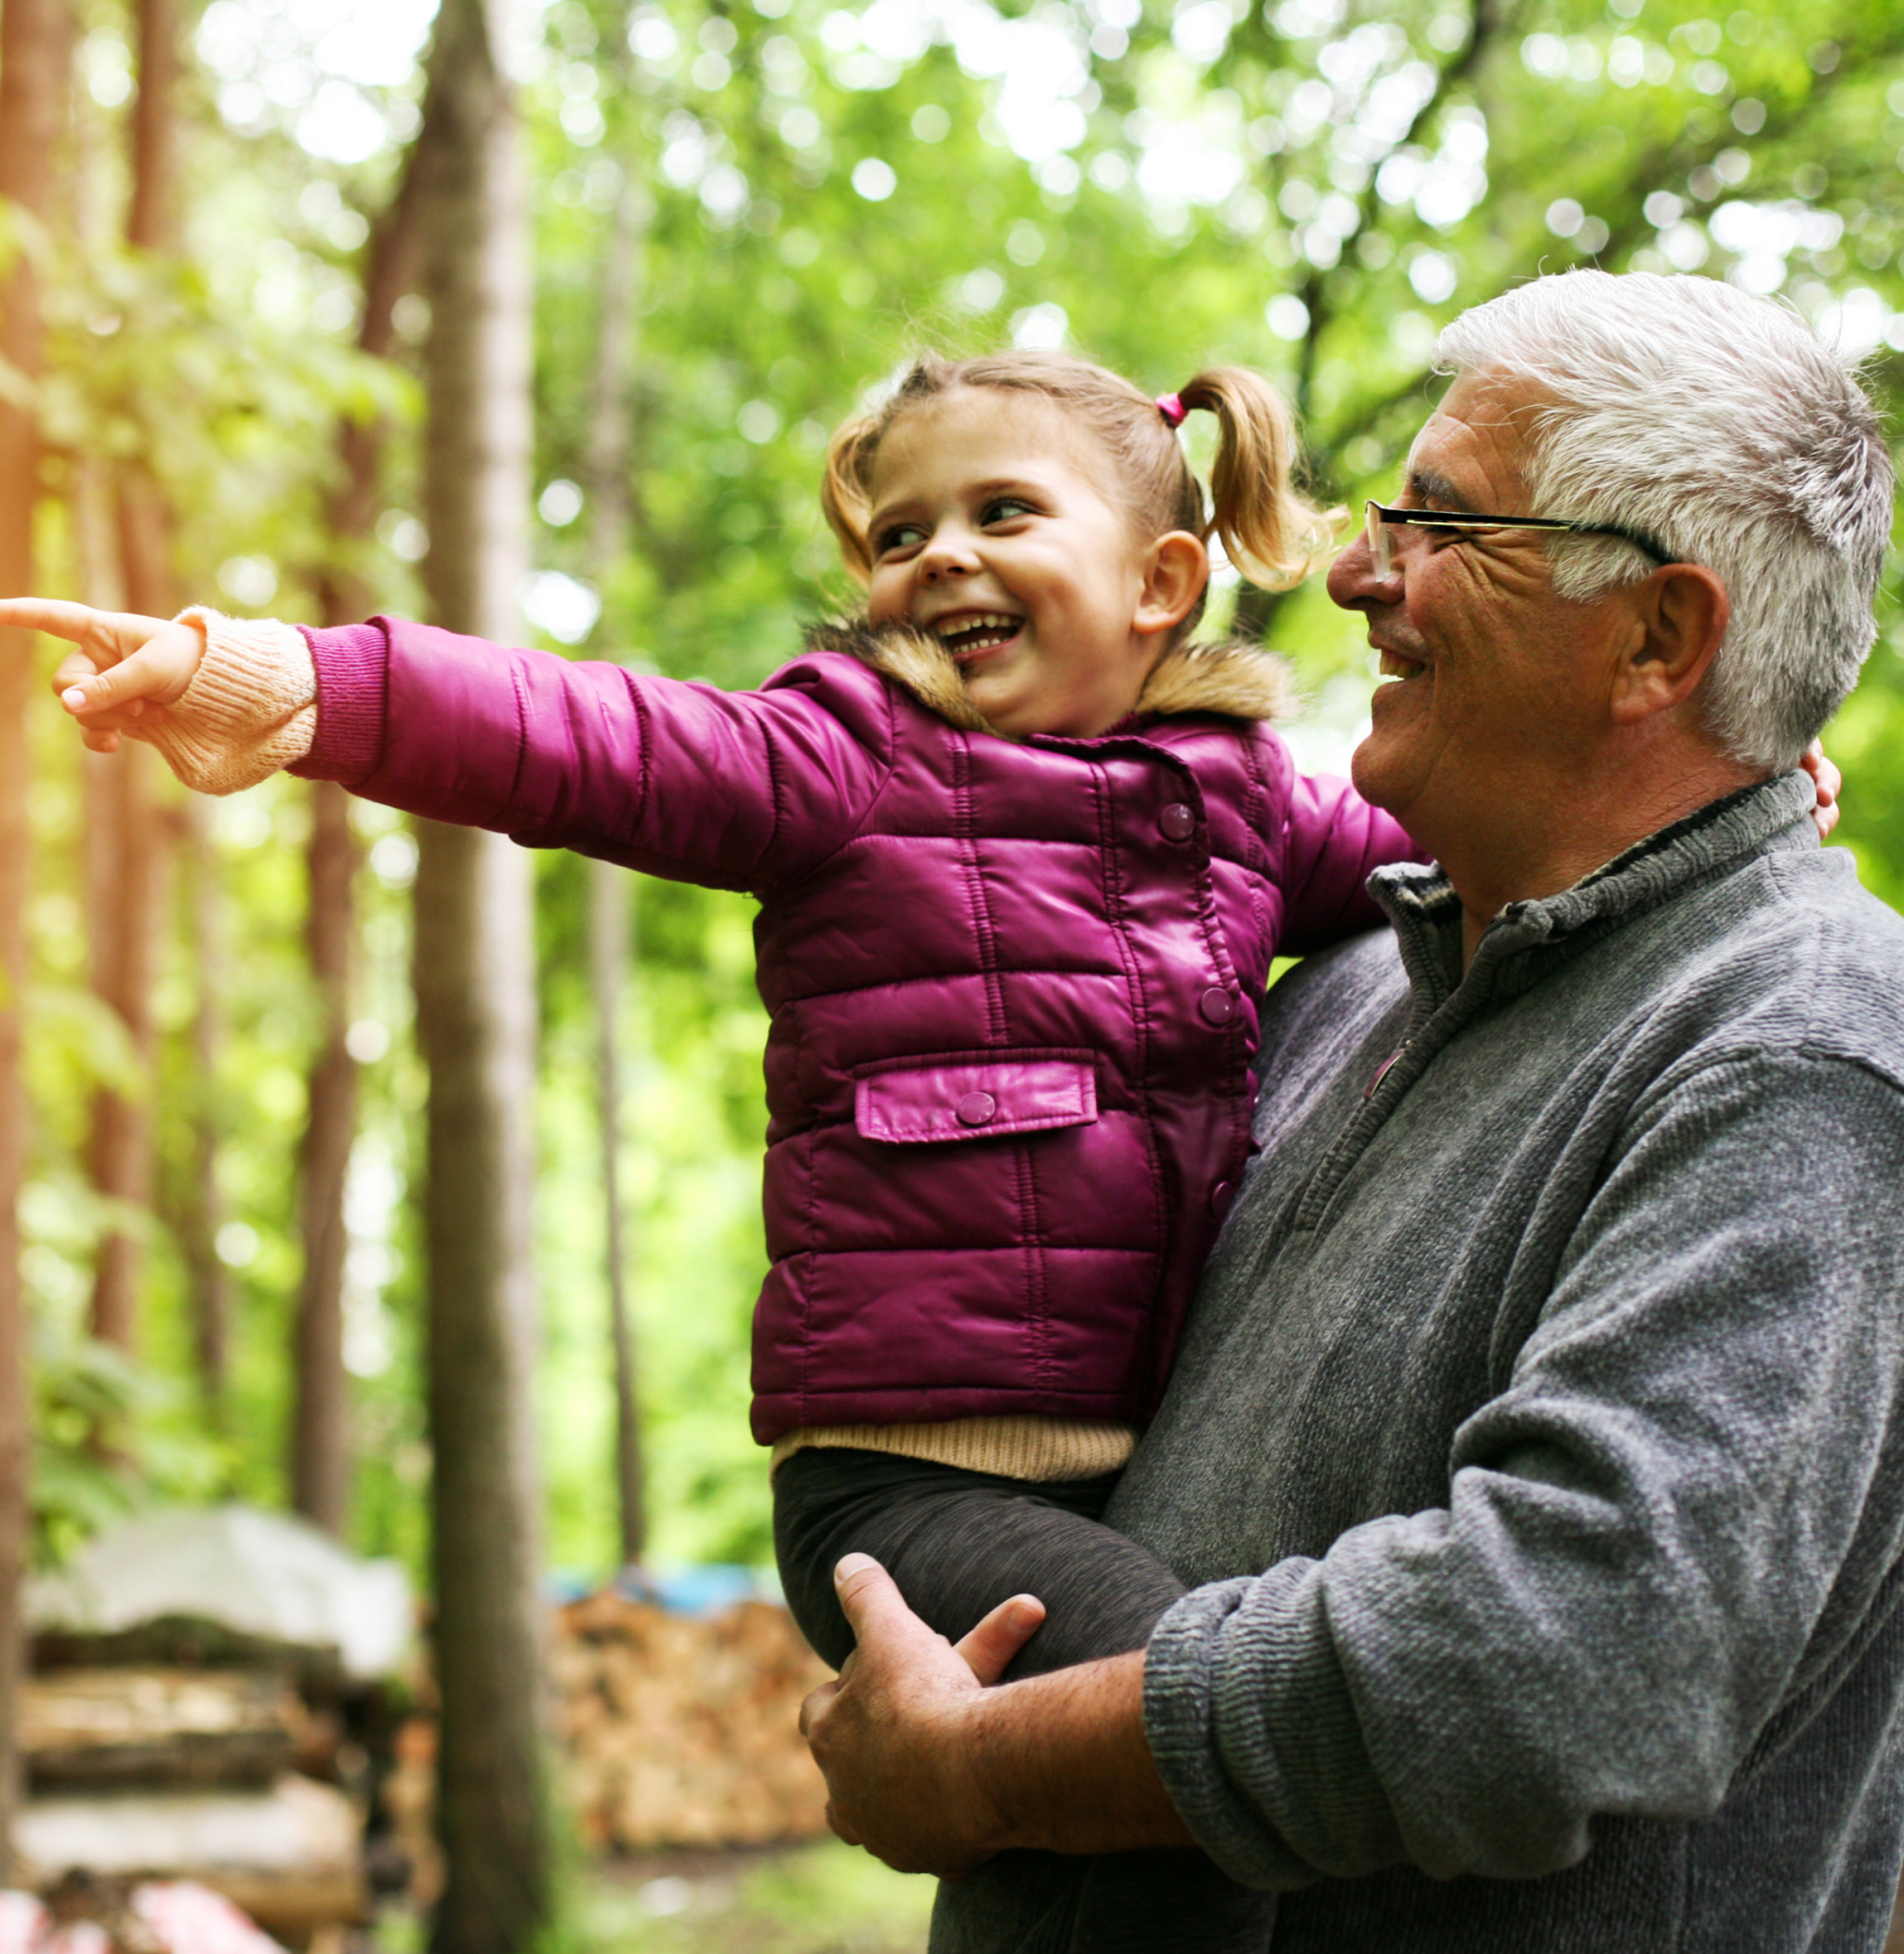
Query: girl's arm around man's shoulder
x=1331, y=841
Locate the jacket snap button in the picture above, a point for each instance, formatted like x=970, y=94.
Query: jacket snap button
x=1178, y=822
x=1217, y=1006
x=1221, y=1196
x=976, y=1109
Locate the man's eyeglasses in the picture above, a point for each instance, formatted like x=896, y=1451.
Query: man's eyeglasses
x=1382, y=519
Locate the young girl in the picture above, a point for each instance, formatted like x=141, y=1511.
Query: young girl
x=1024, y=852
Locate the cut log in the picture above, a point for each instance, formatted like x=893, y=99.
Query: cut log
x=102, y=1728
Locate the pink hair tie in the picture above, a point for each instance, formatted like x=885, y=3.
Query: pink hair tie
x=1171, y=406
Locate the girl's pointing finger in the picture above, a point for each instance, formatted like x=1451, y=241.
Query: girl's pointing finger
x=55, y=617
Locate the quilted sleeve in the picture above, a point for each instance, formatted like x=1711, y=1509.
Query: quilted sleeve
x=1332, y=841
x=739, y=790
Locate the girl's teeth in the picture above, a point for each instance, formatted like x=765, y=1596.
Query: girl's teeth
x=979, y=633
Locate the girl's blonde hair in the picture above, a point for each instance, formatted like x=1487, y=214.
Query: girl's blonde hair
x=1269, y=531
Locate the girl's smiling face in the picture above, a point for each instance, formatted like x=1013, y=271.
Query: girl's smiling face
x=989, y=529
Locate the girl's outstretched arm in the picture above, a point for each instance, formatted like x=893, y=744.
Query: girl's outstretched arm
x=743, y=790
x=733, y=789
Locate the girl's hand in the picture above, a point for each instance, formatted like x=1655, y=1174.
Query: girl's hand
x=1830, y=784
x=125, y=665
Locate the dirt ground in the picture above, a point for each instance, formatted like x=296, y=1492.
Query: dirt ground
x=824, y=1898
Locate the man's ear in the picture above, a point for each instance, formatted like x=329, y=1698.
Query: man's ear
x=1174, y=575
x=1679, y=616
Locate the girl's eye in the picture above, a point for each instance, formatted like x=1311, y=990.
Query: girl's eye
x=902, y=535
x=1006, y=508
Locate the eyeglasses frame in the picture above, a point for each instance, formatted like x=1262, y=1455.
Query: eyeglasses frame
x=1382, y=517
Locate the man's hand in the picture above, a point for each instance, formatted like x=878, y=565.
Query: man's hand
x=125, y=665
x=932, y=1771
x=1830, y=784
x=895, y=1736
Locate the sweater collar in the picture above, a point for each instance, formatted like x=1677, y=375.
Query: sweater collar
x=1237, y=680
x=1527, y=939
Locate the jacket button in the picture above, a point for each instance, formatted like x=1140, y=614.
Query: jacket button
x=1221, y=1196
x=1217, y=1006
x=1178, y=822
x=975, y=1109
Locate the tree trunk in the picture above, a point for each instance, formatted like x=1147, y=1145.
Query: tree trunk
x=608, y=957
x=321, y=1453
x=610, y=445
x=609, y=454
x=202, y=1208
x=125, y=882
x=475, y=1014
x=153, y=223
x=392, y=264
x=128, y=840
x=321, y=1415
x=36, y=56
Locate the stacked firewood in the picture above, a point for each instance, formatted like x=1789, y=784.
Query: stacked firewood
x=682, y=1730
x=169, y=1769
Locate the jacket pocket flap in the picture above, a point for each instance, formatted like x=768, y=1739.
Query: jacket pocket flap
x=974, y=1095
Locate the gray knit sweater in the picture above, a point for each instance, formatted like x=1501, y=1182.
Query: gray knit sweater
x=1555, y=1381
x=1554, y=1373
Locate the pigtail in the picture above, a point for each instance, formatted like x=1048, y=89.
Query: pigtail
x=1272, y=532
x=843, y=491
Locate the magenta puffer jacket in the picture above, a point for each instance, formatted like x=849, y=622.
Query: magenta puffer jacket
x=1013, y=982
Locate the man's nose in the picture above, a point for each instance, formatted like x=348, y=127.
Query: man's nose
x=1357, y=585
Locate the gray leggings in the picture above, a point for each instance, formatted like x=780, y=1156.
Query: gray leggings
x=958, y=1544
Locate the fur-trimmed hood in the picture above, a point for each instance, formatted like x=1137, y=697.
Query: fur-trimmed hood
x=1237, y=680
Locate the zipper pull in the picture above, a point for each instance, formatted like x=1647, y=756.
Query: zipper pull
x=1382, y=1071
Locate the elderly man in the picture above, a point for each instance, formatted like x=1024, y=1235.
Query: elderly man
x=1536, y=1453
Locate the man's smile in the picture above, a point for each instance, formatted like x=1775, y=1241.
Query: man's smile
x=1392, y=665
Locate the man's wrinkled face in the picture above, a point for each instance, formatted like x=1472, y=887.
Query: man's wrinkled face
x=1489, y=682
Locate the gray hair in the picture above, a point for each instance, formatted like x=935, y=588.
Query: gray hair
x=1719, y=426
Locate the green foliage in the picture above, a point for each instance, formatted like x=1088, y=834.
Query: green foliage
x=107, y=1432
x=694, y=1030
x=80, y=1387
x=826, y=1898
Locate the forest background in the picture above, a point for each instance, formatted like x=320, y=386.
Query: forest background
x=743, y=214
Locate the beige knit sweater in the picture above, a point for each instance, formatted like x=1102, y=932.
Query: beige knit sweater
x=251, y=710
